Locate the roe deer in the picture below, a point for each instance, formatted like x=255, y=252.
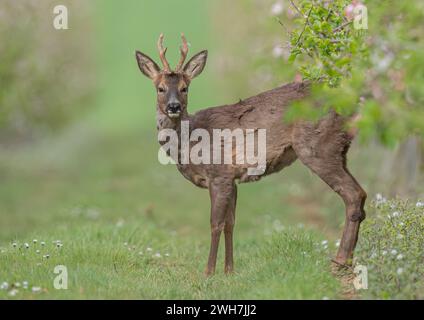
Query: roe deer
x=321, y=146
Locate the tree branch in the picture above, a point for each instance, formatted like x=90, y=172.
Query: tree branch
x=304, y=26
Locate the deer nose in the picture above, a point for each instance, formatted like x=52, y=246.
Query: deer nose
x=173, y=107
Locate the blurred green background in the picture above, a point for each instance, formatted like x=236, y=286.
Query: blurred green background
x=78, y=143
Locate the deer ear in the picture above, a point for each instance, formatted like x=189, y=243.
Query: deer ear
x=196, y=64
x=147, y=66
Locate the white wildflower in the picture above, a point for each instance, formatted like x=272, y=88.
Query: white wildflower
x=36, y=289
x=43, y=243
x=149, y=249
x=399, y=256
x=380, y=199
x=25, y=284
x=325, y=298
x=4, y=286
x=34, y=241
x=399, y=271
x=157, y=255
x=419, y=204
x=277, y=8
x=393, y=252
x=384, y=252
x=395, y=214
x=324, y=242
x=26, y=245
x=13, y=292
x=277, y=51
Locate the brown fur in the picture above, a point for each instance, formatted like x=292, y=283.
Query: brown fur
x=321, y=146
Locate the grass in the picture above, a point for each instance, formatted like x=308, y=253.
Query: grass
x=108, y=202
x=99, y=189
x=391, y=247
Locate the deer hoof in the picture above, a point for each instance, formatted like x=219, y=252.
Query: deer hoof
x=342, y=263
x=209, y=273
x=229, y=271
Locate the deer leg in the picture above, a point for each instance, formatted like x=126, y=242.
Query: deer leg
x=330, y=167
x=222, y=197
x=342, y=182
x=354, y=197
x=228, y=232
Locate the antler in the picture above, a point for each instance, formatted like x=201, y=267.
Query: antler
x=162, y=53
x=184, y=51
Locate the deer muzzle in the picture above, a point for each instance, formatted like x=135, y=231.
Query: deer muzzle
x=173, y=109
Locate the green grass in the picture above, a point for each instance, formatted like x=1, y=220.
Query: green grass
x=98, y=186
x=107, y=200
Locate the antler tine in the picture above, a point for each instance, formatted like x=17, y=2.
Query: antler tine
x=162, y=53
x=184, y=51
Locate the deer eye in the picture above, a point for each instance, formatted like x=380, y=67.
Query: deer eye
x=184, y=90
x=161, y=90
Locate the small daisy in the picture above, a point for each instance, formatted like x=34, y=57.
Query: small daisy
x=157, y=255
x=4, y=286
x=399, y=256
x=26, y=245
x=393, y=252
x=34, y=241
x=13, y=292
x=419, y=204
x=43, y=243
x=36, y=289
x=399, y=271
x=149, y=249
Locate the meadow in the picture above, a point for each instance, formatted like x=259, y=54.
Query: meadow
x=94, y=198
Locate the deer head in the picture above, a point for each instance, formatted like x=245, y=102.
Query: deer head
x=172, y=85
